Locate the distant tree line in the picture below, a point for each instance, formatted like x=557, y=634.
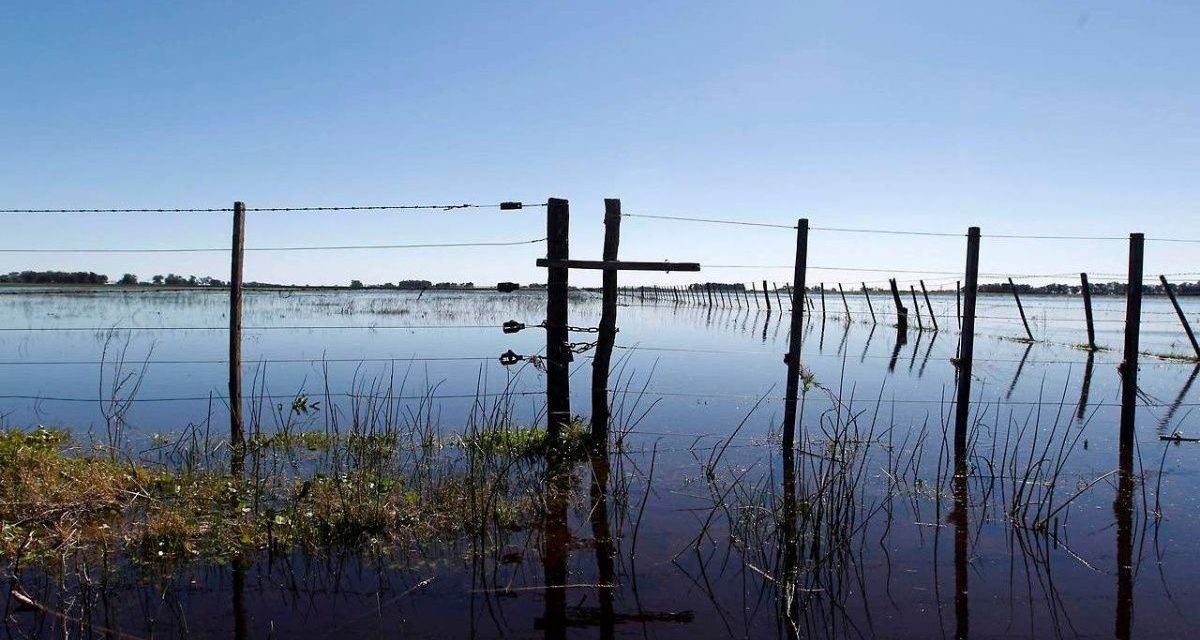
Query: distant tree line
x=53, y=277
x=1097, y=288
x=413, y=285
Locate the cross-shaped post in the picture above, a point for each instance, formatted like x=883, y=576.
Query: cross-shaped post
x=558, y=351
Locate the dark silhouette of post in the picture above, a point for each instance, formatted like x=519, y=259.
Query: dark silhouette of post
x=1086, y=289
x=844, y=302
x=558, y=353
x=917, y=308
x=766, y=295
x=607, y=336
x=237, y=427
x=901, y=312
x=929, y=305
x=870, y=307
x=793, y=355
x=1129, y=364
x=966, y=346
x=1020, y=308
x=1187, y=328
x=822, y=302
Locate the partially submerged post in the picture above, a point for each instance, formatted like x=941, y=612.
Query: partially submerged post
x=766, y=295
x=1020, y=308
x=917, y=308
x=929, y=305
x=844, y=302
x=901, y=312
x=822, y=301
x=793, y=355
x=237, y=430
x=966, y=346
x=1086, y=289
x=1187, y=328
x=607, y=336
x=558, y=354
x=1129, y=364
x=870, y=307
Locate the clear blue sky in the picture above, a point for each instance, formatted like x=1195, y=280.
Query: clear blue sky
x=1025, y=117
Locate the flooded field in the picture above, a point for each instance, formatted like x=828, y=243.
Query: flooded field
x=686, y=523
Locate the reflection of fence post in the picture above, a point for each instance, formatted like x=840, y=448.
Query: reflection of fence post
x=929, y=305
x=607, y=335
x=901, y=312
x=793, y=354
x=558, y=354
x=1129, y=364
x=966, y=346
x=870, y=307
x=1086, y=289
x=1020, y=308
x=237, y=427
x=1187, y=328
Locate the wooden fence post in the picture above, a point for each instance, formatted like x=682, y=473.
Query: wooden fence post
x=745, y=296
x=901, y=312
x=917, y=307
x=966, y=346
x=870, y=307
x=558, y=354
x=237, y=427
x=844, y=302
x=777, y=298
x=766, y=295
x=607, y=336
x=1086, y=289
x=822, y=302
x=958, y=301
x=1020, y=308
x=929, y=305
x=793, y=356
x=1129, y=363
x=1187, y=328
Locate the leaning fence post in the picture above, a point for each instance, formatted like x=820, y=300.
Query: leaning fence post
x=1020, y=308
x=237, y=428
x=1086, y=289
x=793, y=355
x=844, y=302
x=766, y=295
x=966, y=346
x=1187, y=327
x=606, y=337
x=901, y=312
x=917, y=308
x=777, y=298
x=1129, y=364
x=558, y=353
x=870, y=307
x=929, y=305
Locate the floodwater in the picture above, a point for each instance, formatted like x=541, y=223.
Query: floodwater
x=888, y=544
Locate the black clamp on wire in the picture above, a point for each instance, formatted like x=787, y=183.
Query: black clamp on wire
x=509, y=206
x=512, y=326
x=510, y=358
x=507, y=287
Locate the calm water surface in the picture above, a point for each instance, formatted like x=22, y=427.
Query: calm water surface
x=693, y=384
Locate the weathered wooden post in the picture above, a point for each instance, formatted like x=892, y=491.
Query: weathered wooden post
x=901, y=312
x=558, y=353
x=1020, y=308
x=793, y=355
x=958, y=301
x=745, y=295
x=237, y=427
x=1187, y=327
x=917, y=308
x=766, y=295
x=844, y=302
x=1086, y=289
x=1129, y=364
x=754, y=290
x=607, y=336
x=966, y=346
x=929, y=305
x=822, y=302
x=870, y=307
x=777, y=298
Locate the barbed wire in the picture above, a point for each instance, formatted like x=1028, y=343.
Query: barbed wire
x=256, y=328
x=514, y=205
x=451, y=396
x=295, y=248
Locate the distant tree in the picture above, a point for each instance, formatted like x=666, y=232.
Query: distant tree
x=356, y=284
x=158, y=279
x=128, y=278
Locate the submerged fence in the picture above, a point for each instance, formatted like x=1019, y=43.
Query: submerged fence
x=797, y=296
